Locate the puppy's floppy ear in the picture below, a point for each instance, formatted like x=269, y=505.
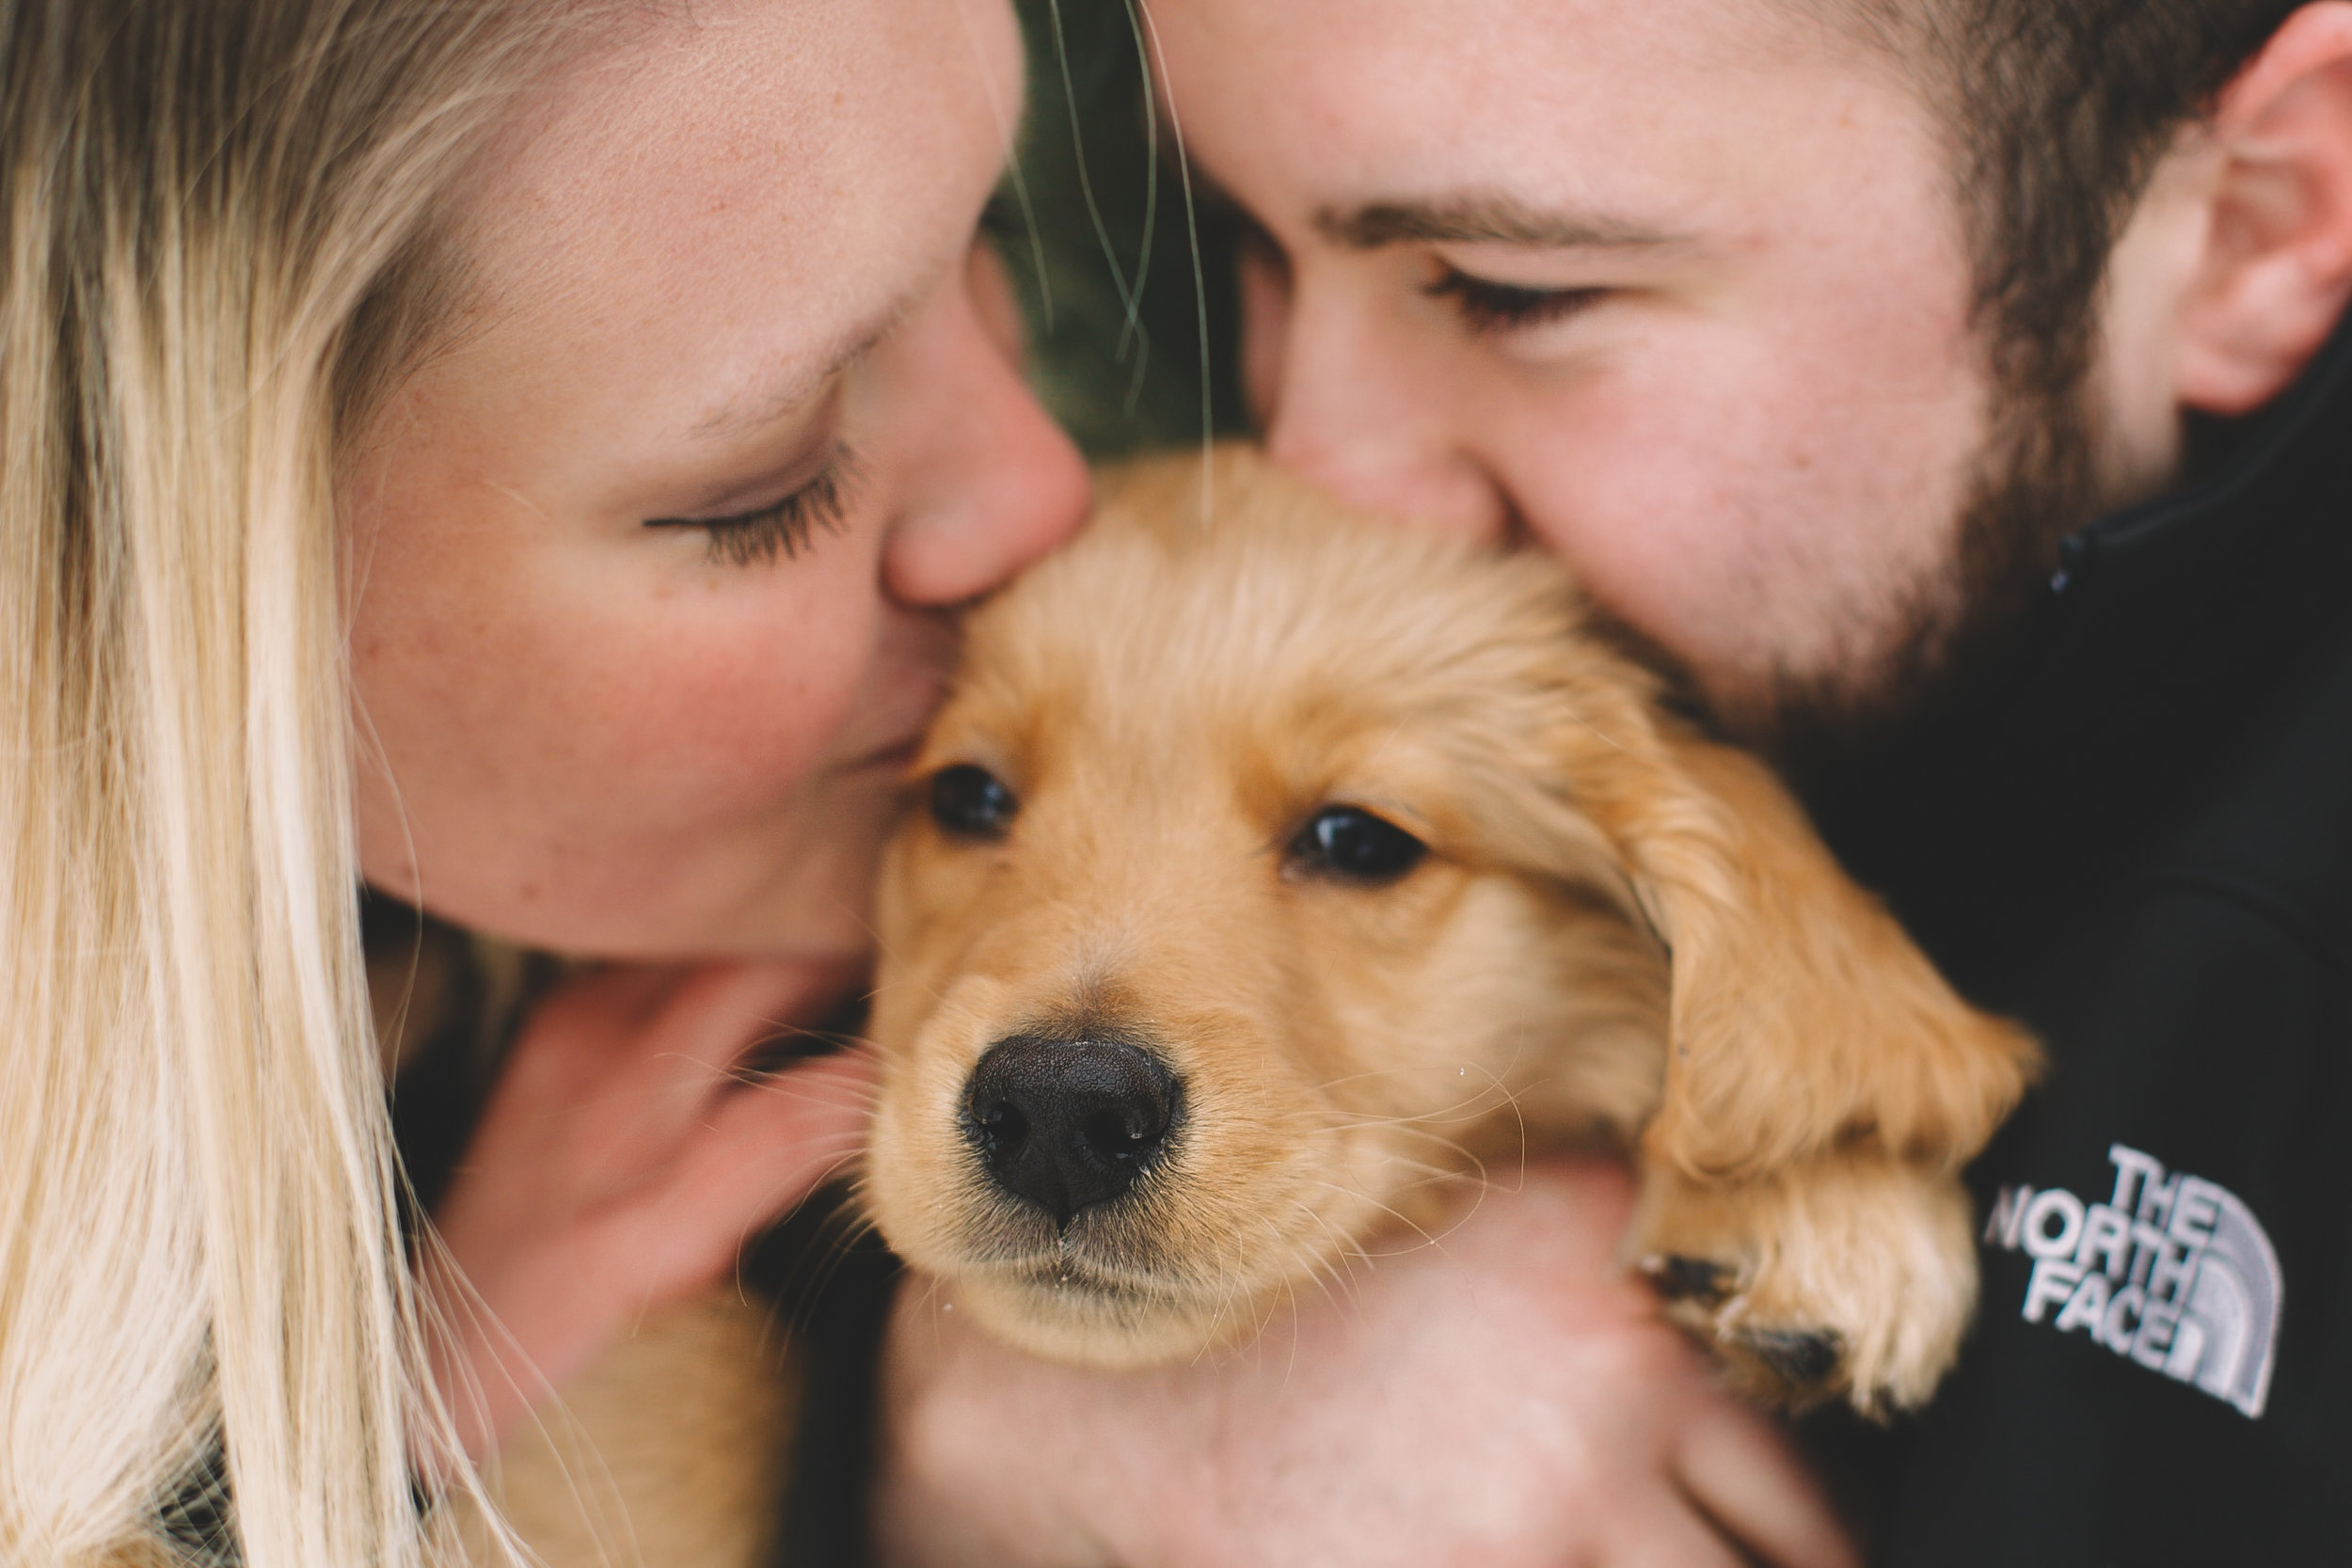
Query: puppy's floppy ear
x=1803, y=1017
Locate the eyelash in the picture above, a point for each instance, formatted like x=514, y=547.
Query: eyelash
x=782, y=529
x=1488, y=308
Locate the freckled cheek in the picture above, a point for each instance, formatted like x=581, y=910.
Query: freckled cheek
x=727, y=716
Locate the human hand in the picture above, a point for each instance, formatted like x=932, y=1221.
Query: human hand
x=624, y=1158
x=1506, y=1398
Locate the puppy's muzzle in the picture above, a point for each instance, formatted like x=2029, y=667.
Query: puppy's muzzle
x=1068, y=1124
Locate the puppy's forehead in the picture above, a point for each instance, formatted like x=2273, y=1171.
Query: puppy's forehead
x=1271, y=623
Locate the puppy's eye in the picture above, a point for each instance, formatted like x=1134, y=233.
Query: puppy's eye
x=1350, y=841
x=972, y=802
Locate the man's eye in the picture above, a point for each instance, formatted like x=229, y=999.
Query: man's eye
x=1488, y=306
x=1351, y=842
x=972, y=802
x=781, y=529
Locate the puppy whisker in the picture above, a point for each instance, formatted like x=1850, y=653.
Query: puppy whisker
x=1468, y=1164
x=1395, y=1213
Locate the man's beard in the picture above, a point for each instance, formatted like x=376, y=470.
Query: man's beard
x=2035, y=480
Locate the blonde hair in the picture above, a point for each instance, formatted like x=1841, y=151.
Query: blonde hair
x=218, y=220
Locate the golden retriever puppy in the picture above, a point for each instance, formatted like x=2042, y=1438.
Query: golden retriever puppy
x=1270, y=875
x=1273, y=870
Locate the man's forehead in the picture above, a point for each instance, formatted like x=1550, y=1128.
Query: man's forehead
x=1429, y=111
x=1413, y=43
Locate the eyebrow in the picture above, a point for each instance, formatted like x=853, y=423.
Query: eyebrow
x=1481, y=221
x=749, y=411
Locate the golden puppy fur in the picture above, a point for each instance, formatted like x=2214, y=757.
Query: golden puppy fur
x=1620, y=932
x=673, y=1451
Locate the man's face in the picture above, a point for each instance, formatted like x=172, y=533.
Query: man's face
x=1680, y=288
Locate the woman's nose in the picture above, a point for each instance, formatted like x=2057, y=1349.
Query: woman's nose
x=996, y=484
x=1366, y=410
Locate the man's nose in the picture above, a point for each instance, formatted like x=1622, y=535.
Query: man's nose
x=1367, y=413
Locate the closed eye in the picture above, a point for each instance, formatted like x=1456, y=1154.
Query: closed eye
x=1488, y=306
x=783, y=528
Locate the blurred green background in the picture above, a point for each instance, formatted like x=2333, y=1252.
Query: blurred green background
x=1116, y=318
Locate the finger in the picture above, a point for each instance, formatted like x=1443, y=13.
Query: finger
x=1661, y=1531
x=583, y=1024
x=717, y=1013
x=681, y=1061
x=782, y=1129
x=605, y=1038
x=1741, y=1469
x=764, y=1150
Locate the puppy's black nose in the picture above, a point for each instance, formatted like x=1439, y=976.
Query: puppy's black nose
x=1068, y=1124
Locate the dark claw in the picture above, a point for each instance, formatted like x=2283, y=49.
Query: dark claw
x=1688, y=1279
x=1800, y=1357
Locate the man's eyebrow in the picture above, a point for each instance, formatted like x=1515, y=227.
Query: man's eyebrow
x=748, y=411
x=1487, y=220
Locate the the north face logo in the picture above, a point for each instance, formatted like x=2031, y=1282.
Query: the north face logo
x=2171, y=1270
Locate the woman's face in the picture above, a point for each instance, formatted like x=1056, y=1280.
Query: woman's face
x=651, y=561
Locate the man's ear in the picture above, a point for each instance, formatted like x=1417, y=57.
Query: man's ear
x=2276, y=271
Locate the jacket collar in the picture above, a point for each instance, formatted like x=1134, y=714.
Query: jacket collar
x=2193, y=574
x=2168, y=623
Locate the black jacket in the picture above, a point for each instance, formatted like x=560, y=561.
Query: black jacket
x=2139, y=842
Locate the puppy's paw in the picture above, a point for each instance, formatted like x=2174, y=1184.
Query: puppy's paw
x=1851, y=1274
